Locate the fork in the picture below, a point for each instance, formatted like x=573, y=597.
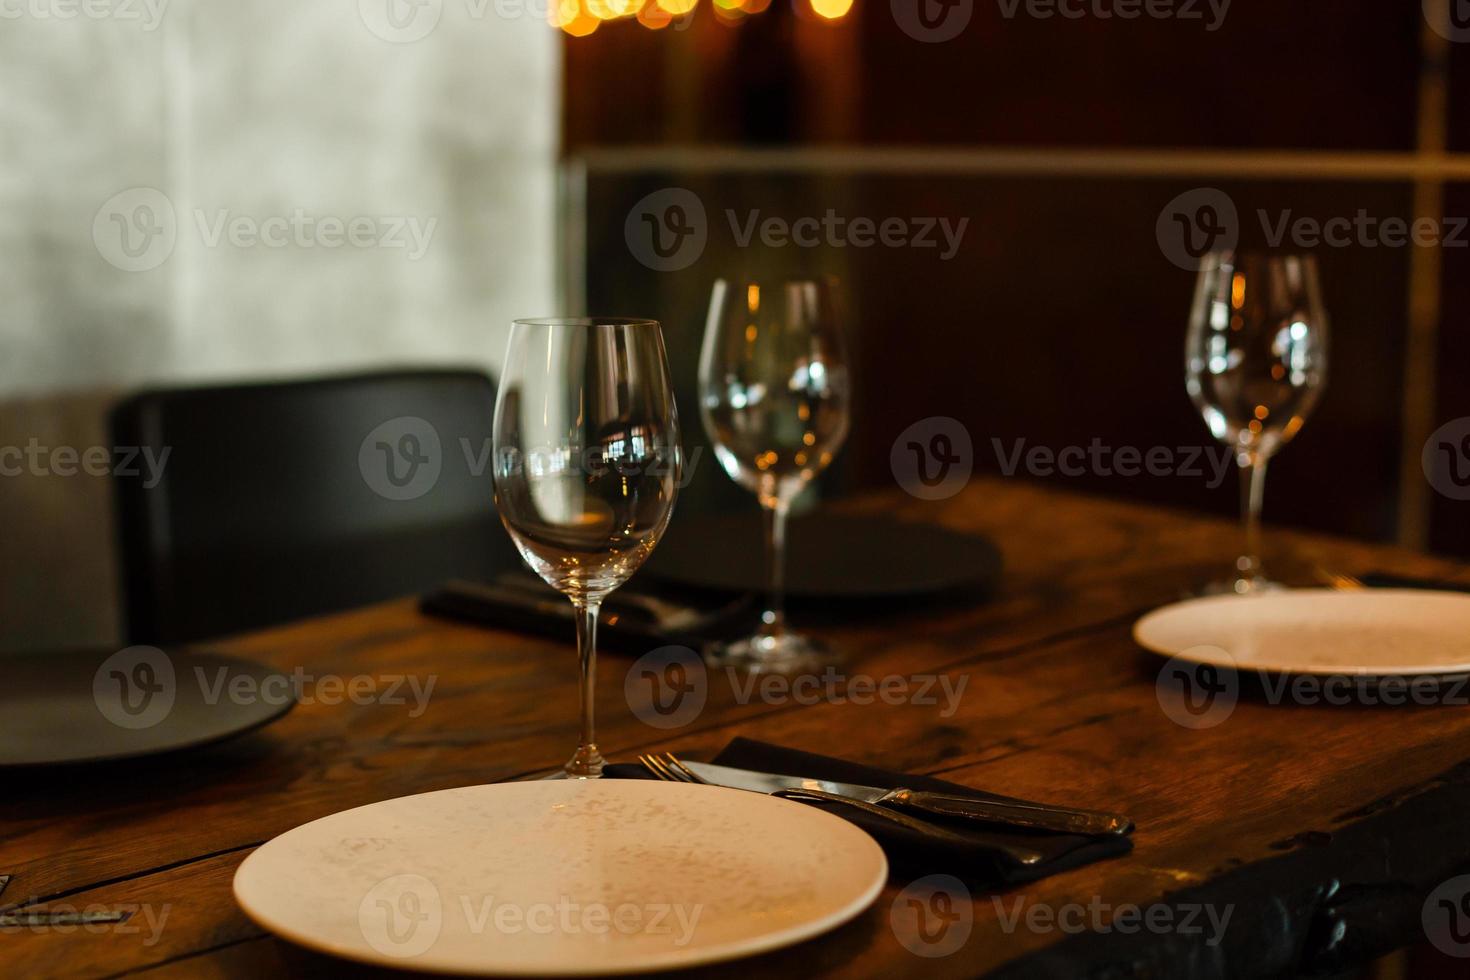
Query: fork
x=670, y=769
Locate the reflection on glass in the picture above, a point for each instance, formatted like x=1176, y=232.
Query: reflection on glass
x=1255, y=365
x=773, y=393
x=586, y=466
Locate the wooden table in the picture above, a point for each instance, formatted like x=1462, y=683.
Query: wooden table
x=1324, y=827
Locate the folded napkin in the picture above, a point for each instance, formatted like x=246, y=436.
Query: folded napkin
x=633, y=620
x=984, y=855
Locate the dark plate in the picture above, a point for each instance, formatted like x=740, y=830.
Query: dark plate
x=828, y=556
x=94, y=706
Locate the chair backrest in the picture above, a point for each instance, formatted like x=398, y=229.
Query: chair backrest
x=247, y=505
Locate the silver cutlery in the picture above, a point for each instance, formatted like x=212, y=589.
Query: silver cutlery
x=672, y=770
x=1033, y=816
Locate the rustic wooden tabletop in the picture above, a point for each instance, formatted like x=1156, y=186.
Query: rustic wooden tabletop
x=1320, y=828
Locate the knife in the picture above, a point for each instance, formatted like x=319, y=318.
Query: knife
x=1034, y=816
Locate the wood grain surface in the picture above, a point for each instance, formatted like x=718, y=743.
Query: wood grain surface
x=1323, y=826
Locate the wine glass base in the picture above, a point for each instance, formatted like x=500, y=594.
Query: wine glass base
x=585, y=763
x=779, y=653
x=1241, y=586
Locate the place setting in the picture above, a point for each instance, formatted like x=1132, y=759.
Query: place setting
x=718, y=583
x=760, y=847
x=1256, y=365
x=703, y=488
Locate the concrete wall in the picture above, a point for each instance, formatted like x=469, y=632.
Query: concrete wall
x=201, y=189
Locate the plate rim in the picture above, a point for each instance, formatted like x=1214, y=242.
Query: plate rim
x=1436, y=671
x=196, y=657
x=675, y=960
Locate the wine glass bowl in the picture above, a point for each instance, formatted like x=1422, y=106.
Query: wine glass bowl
x=1255, y=367
x=586, y=465
x=774, y=399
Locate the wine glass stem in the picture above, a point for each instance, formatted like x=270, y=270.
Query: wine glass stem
x=773, y=620
x=587, y=762
x=1252, y=493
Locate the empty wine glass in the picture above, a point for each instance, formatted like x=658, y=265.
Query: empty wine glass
x=586, y=466
x=773, y=395
x=1255, y=365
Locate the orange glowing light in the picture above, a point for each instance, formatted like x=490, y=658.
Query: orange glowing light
x=676, y=7
x=1237, y=291
x=654, y=17
x=755, y=6
x=581, y=25
x=831, y=9
x=753, y=297
x=611, y=9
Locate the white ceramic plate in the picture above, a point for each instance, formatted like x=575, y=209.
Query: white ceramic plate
x=1377, y=632
x=562, y=877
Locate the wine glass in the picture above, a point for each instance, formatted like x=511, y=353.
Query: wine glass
x=773, y=395
x=586, y=466
x=1255, y=365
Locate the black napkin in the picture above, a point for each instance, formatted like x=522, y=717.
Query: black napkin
x=629, y=624
x=983, y=855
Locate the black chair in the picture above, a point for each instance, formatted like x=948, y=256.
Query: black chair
x=284, y=500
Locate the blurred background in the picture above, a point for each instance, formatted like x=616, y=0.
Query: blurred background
x=1012, y=191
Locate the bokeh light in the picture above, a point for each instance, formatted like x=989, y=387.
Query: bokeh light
x=831, y=9
x=654, y=17
x=612, y=9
